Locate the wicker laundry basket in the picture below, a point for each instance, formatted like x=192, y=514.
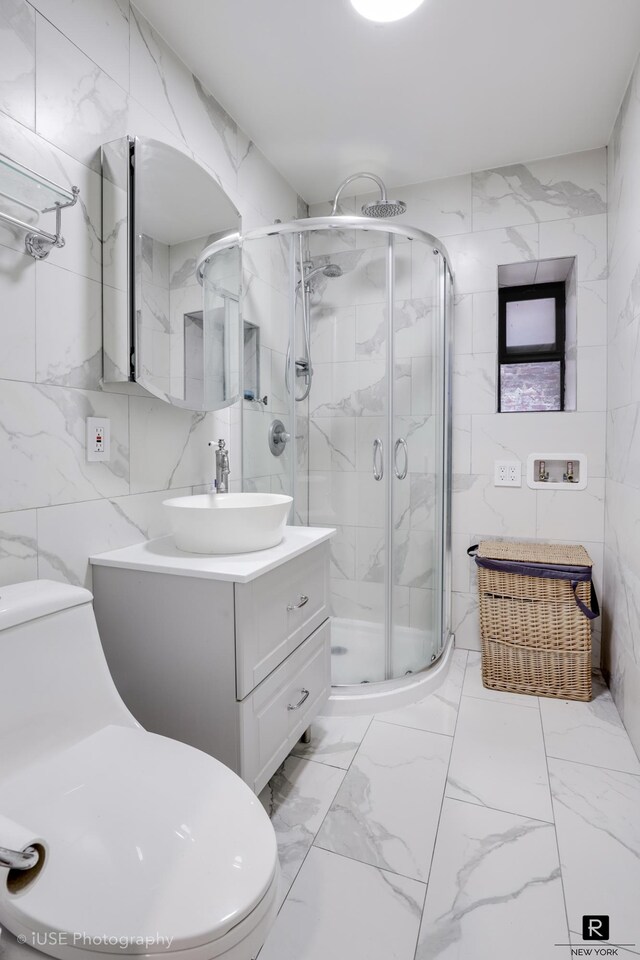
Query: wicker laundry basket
x=535, y=618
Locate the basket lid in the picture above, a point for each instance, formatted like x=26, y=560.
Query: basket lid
x=535, y=552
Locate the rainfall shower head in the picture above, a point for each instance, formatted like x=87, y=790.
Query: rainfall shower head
x=384, y=208
x=376, y=208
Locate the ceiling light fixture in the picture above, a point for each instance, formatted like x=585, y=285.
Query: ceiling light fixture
x=384, y=11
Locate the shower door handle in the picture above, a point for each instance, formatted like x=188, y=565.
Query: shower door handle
x=401, y=442
x=378, y=459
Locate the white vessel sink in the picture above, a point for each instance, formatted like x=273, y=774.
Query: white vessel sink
x=228, y=522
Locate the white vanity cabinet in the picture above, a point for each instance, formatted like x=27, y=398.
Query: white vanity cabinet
x=229, y=654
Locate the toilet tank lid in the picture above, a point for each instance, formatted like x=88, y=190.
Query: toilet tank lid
x=21, y=602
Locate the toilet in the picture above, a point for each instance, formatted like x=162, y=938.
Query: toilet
x=147, y=846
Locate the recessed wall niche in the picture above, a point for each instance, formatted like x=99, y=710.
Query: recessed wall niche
x=537, y=336
x=251, y=361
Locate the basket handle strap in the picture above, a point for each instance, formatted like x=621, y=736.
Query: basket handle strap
x=592, y=613
x=472, y=550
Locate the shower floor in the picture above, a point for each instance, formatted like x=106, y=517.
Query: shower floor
x=358, y=651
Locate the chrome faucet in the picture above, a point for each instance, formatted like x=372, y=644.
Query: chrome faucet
x=222, y=467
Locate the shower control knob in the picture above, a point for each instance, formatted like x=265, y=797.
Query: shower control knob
x=278, y=437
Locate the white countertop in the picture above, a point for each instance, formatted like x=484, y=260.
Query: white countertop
x=162, y=556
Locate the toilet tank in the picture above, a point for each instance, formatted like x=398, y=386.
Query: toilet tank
x=55, y=686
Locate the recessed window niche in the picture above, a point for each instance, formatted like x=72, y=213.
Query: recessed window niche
x=537, y=336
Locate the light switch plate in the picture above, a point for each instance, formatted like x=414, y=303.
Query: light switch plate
x=507, y=473
x=98, y=439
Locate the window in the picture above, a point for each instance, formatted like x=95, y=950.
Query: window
x=531, y=347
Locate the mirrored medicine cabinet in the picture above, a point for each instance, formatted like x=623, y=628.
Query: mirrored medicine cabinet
x=180, y=340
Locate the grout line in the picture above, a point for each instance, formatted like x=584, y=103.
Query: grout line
x=593, y=766
x=504, y=703
x=367, y=863
x=321, y=763
x=544, y=751
x=37, y=546
x=313, y=841
x=510, y=813
x=555, y=826
x=346, y=771
x=36, y=71
x=80, y=49
x=424, y=903
x=409, y=726
x=302, y=862
x=444, y=792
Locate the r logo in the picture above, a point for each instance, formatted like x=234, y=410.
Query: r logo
x=595, y=928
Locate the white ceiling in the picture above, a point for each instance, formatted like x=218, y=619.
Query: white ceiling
x=459, y=85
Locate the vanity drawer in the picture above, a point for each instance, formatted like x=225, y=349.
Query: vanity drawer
x=276, y=612
x=275, y=715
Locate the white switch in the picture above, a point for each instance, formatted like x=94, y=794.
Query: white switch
x=507, y=473
x=98, y=438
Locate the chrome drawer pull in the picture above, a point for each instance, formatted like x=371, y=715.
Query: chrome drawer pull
x=296, y=706
x=301, y=602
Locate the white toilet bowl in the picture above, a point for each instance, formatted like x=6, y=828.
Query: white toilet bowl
x=149, y=846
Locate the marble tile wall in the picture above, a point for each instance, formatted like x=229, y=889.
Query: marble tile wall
x=544, y=209
x=72, y=76
x=266, y=303
x=622, y=518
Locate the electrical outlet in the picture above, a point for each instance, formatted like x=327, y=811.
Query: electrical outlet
x=507, y=473
x=98, y=438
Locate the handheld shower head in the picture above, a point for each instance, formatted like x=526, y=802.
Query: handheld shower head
x=376, y=208
x=303, y=366
x=331, y=270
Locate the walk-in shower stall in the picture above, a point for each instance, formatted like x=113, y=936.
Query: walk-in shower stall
x=347, y=407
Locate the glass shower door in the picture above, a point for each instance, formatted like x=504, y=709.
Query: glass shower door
x=348, y=452
x=415, y=457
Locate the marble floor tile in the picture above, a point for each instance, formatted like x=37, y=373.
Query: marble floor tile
x=473, y=686
x=588, y=732
x=438, y=711
x=297, y=799
x=345, y=910
x=489, y=850
x=597, y=816
x=495, y=889
x=386, y=811
x=498, y=759
x=334, y=740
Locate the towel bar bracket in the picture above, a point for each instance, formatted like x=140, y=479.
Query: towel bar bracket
x=29, y=190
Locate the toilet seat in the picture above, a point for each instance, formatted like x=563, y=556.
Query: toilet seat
x=145, y=838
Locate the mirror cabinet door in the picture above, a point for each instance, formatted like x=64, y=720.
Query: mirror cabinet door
x=183, y=338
